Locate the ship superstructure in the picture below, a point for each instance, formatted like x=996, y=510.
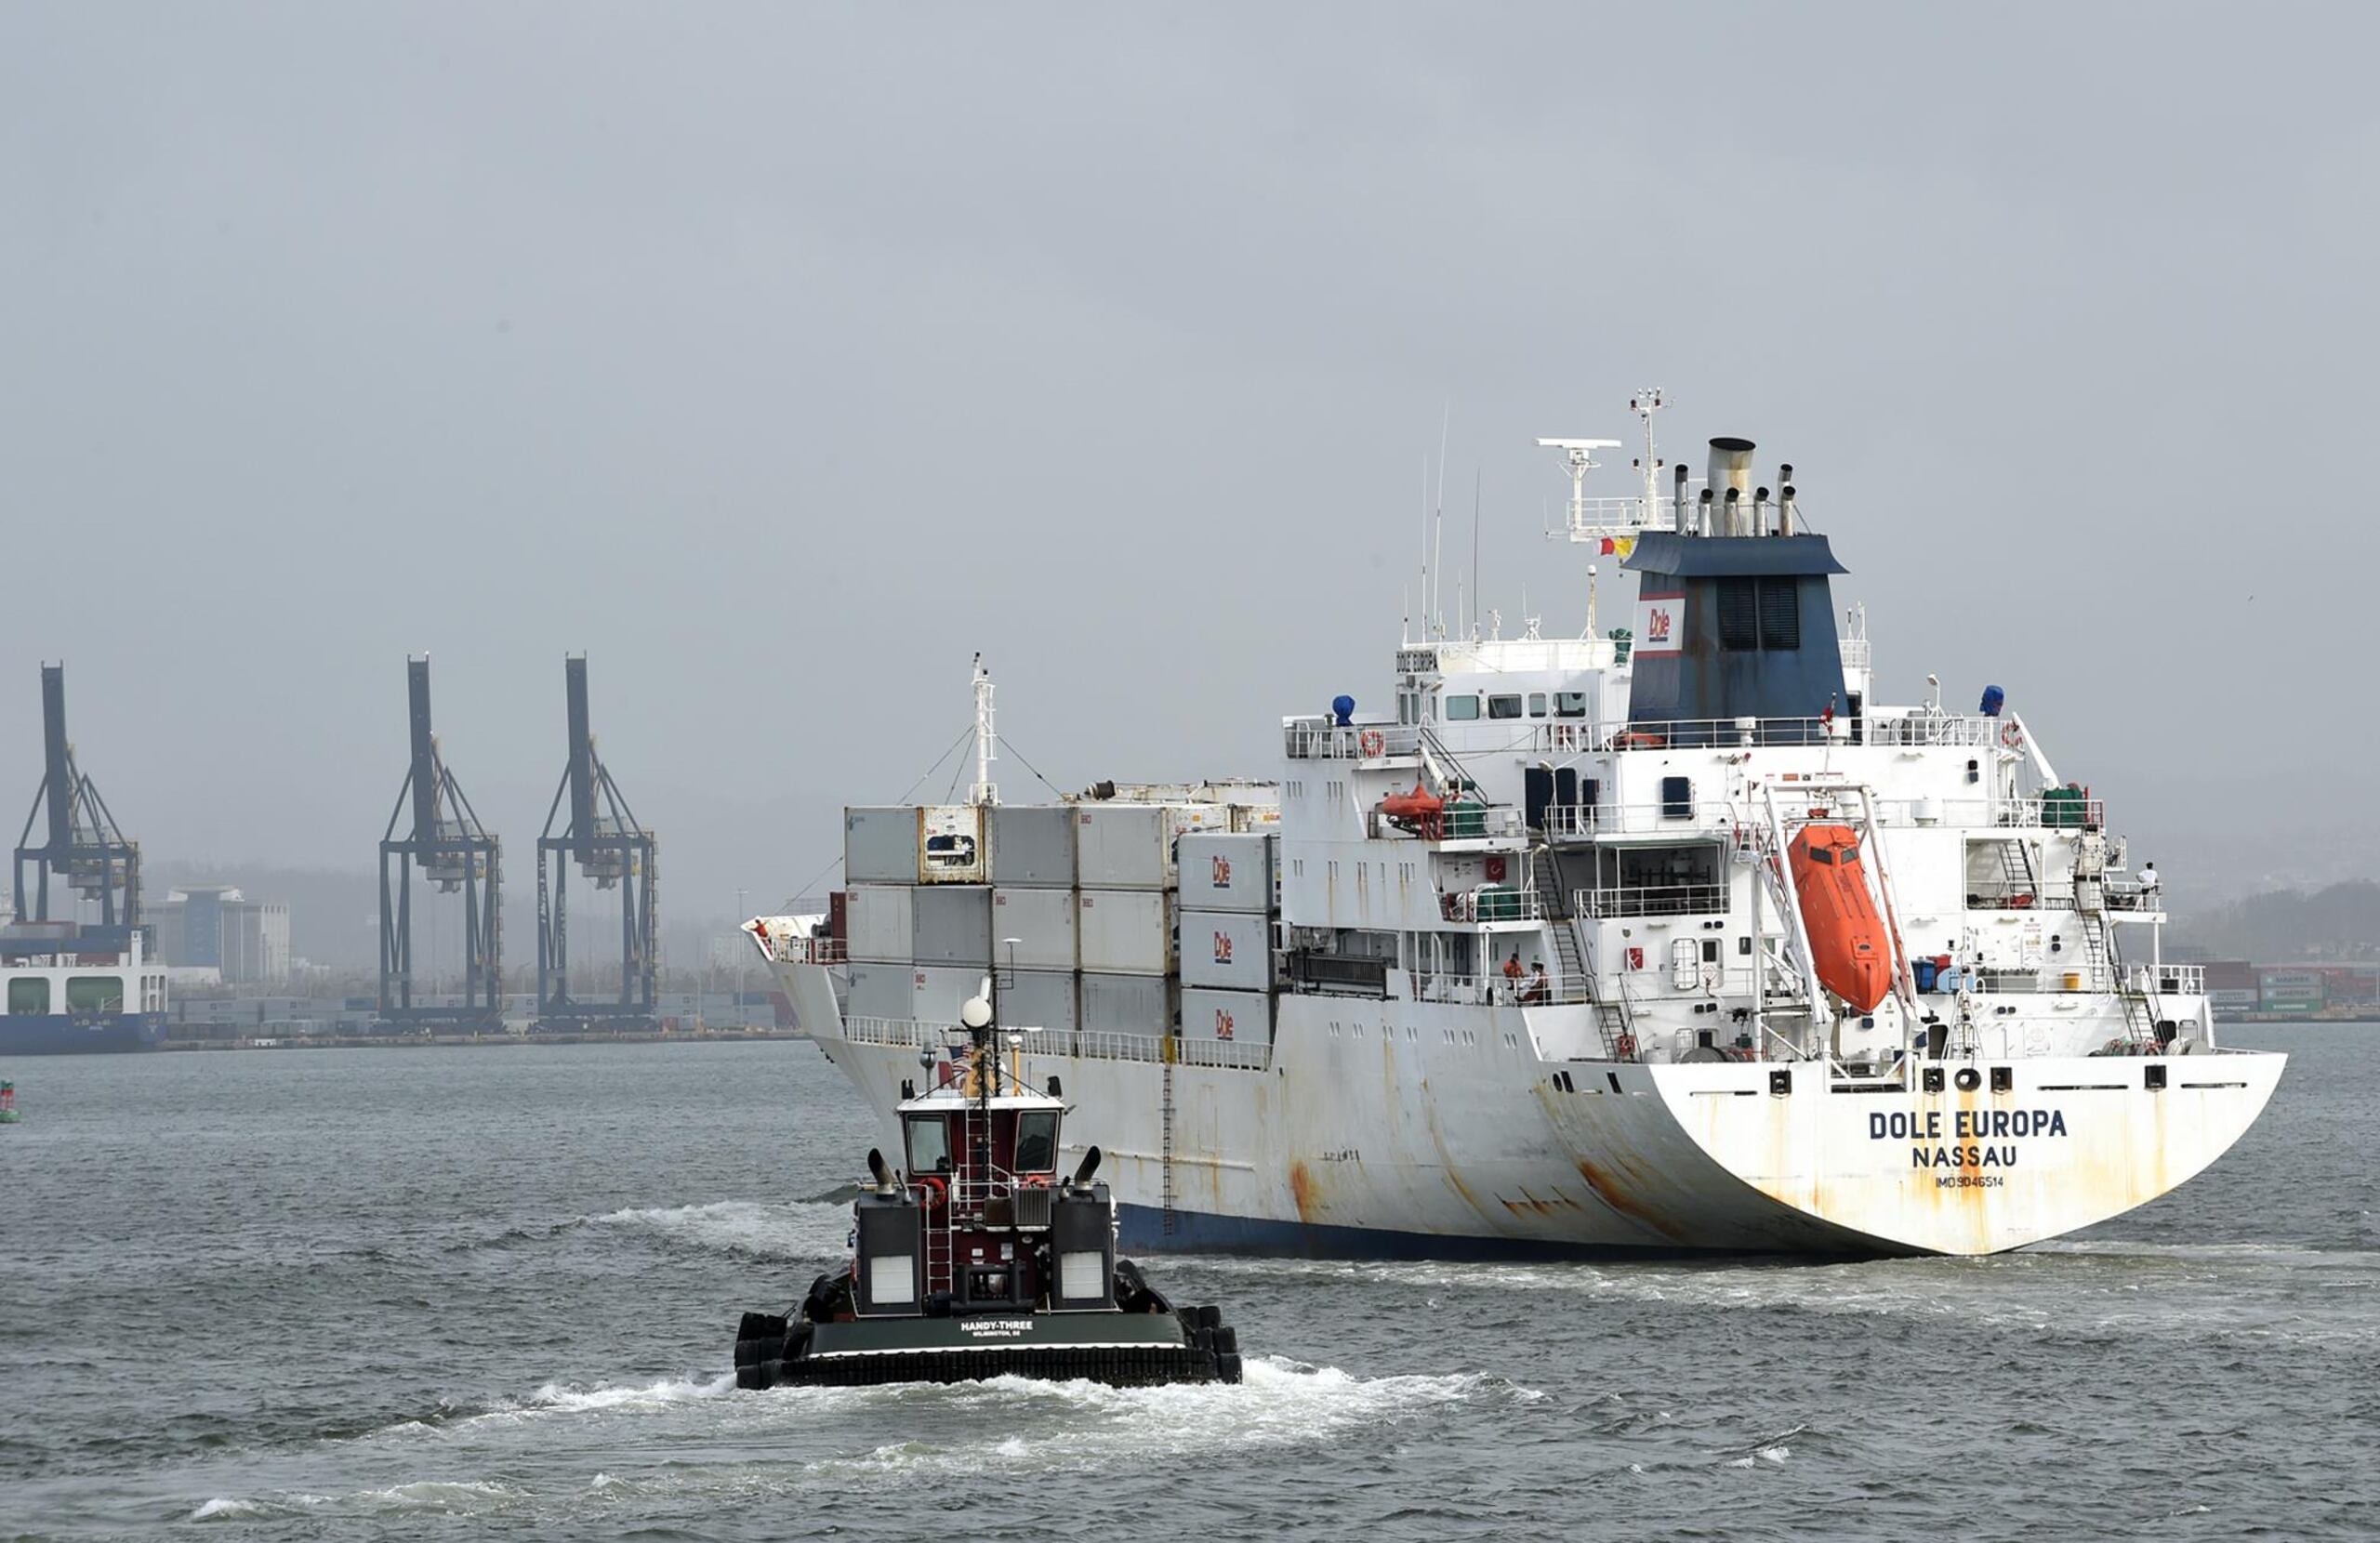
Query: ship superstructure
x=1666, y=937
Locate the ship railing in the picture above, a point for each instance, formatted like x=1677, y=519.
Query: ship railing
x=1492, y=902
x=1084, y=1044
x=1499, y=989
x=1591, y=518
x=811, y=951
x=1855, y=653
x=1586, y=821
x=1966, y=731
x=1466, y=822
x=2034, y=810
x=1650, y=900
x=1323, y=739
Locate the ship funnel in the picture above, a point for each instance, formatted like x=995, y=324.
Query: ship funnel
x=1730, y=468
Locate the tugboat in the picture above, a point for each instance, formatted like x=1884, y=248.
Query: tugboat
x=981, y=1260
x=9, y=1114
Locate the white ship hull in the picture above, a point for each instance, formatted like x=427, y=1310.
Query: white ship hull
x=1395, y=1146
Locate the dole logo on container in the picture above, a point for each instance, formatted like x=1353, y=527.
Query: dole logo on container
x=1222, y=1024
x=1223, y=948
x=1222, y=872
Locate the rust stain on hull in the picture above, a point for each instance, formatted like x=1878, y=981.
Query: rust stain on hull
x=1613, y=1190
x=1301, y=1191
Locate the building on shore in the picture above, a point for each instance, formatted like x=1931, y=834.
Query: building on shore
x=214, y=926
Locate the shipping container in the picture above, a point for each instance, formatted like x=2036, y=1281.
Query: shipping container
x=881, y=845
x=936, y=992
x=1126, y=931
x=1128, y=1004
x=1225, y=872
x=1130, y=846
x=1242, y=1016
x=1041, y=1000
x=882, y=921
x=953, y=926
x=1255, y=817
x=1228, y=950
x=881, y=991
x=950, y=844
x=1034, y=929
x=1033, y=845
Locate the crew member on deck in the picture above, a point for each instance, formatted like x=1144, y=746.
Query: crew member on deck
x=1513, y=974
x=1539, y=989
x=2148, y=882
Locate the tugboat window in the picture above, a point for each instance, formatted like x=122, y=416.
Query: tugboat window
x=929, y=1144
x=1037, y=1141
x=27, y=993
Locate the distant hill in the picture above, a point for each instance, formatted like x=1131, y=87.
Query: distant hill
x=2337, y=921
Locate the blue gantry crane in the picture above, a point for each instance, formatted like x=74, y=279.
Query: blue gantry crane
x=84, y=848
x=614, y=853
x=454, y=851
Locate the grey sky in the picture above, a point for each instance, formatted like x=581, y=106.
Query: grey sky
x=782, y=356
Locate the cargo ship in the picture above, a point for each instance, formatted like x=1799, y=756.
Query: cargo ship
x=1670, y=938
x=70, y=990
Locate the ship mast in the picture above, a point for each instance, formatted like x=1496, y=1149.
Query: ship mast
x=984, y=792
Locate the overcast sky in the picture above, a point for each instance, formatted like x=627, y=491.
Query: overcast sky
x=781, y=357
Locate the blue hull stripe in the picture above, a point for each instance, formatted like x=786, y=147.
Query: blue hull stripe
x=1142, y=1231
x=62, y=1034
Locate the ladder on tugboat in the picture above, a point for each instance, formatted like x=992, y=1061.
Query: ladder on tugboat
x=938, y=1248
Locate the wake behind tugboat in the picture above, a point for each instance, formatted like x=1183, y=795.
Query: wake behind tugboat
x=980, y=1262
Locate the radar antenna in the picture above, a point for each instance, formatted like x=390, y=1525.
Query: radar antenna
x=1602, y=521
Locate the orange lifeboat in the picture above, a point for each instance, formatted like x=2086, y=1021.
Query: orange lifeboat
x=1420, y=810
x=1847, y=940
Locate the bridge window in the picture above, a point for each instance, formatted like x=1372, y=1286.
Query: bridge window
x=1537, y=704
x=1504, y=706
x=929, y=1144
x=27, y=993
x=94, y=993
x=1037, y=1141
x=1461, y=709
x=1569, y=704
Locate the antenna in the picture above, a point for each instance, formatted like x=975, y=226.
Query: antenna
x=1645, y=403
x=1476, y=474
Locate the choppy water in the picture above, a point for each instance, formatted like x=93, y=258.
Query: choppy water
x=465, y=1292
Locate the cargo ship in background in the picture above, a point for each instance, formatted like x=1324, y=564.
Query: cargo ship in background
x=1670, y=938
x=72, y=984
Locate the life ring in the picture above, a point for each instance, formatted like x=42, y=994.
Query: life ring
x=1032, y=1180
x=1626, y=1047
x=1374, y=744
x=1495, y=866
x=2012, y=734
x=935, y=1191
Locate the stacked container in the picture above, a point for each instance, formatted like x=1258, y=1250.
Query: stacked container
x=1229, y=900
x=1135, y=918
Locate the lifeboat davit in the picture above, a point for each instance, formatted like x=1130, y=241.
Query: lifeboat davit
x=1848, y=938
x=1420, y=810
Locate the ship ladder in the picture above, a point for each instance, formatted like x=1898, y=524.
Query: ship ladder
x=2016, y=865
x=1565, y=935
x=1165, y=1145
x=2106, y=970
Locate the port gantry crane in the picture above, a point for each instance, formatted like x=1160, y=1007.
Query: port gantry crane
x=612, y=850
x=454, y=851
x=85, y=850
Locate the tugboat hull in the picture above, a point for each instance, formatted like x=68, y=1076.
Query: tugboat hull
x=1123, y=1350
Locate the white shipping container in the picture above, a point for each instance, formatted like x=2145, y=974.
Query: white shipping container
x=1223, y=872
x=1041, y=1000
x=1130, y=846
x=1128, y=1004
x=1242, y=1016
x=1228, y=949
x=1126, y=931
x=879, y=917
x=1255, y=817
x=950, y=844
x=936, y=992
x=1043, y=922
x=881, y=991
